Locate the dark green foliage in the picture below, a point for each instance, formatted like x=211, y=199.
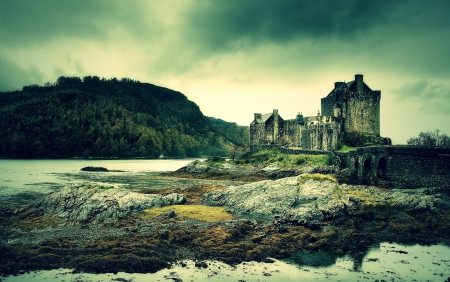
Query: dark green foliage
x=361, y=139
x=96, y=117
x=236, y=134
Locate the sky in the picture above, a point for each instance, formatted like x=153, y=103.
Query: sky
x=235, y=58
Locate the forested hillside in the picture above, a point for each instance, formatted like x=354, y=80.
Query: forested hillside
x=93, y=117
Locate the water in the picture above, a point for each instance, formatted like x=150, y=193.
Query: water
x=388, y=262
x=23, y=181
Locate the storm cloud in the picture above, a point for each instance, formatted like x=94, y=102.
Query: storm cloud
x=224, y=55
x=429, y=98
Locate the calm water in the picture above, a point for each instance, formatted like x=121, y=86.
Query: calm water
x=23, y=181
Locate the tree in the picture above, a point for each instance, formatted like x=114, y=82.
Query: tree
x=430, y=139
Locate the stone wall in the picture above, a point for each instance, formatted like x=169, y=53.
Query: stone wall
x=293, y=131
x=418, y=166
x=362, y=112
x=399, y=166
x=327, y=104
x=322, y=135
x=266, y=132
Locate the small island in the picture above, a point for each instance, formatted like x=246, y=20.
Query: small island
x=94, y=168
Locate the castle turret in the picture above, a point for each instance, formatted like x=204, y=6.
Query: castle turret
x=299, y=119
x=338, y=84
x=359, y=83
x=275, y=125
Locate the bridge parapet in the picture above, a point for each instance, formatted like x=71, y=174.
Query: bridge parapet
x=400, y=166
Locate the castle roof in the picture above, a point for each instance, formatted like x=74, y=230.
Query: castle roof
x=263, y=118
x=351, y=85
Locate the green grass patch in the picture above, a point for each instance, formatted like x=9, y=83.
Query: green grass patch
x=199, y=212
x=275, y=157
x=316, y=176
x=215, y=161
x=346, y=148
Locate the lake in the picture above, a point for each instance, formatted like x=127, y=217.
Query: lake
x=23, y=181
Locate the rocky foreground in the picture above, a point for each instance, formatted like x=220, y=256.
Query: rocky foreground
x=104, y=229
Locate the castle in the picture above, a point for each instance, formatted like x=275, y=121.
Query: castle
x=349, y=107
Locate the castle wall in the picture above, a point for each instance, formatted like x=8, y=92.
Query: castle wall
x=327, y=105
x=320, y=137
x=293, y=133
x=351, y=106
x=362, y=112
x=266, y=132
x=317, y=133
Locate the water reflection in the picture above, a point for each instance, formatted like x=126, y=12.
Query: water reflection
x=389, y=262
x=318, y=259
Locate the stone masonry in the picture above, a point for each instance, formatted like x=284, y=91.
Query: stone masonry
x=349, y=107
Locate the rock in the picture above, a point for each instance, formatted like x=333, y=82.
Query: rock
x=287, y=198
x=309, y=200
x=89, y=202
x=173, y=199
x=281, y=173
x=195, y=167
x=94, y=168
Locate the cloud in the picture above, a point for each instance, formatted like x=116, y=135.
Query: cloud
x=228, y=24
x=40, y=22
x=167, y=39
x=13, y=77
x=430, y=98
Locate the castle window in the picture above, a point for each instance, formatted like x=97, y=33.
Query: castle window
x=362, y=112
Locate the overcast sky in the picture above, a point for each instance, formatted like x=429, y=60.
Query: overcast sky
x=235, y=58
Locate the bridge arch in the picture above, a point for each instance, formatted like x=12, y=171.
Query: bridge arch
x=367, y=171
x=381, y=171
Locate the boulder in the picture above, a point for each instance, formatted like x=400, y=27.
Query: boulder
x=195, y=167
x=93, y=203
x=310, y=198
x=293, y=197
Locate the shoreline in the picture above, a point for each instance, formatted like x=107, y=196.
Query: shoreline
x=139, y=243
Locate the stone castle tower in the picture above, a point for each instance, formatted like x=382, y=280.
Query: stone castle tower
x=356, y=104
x=349, y=107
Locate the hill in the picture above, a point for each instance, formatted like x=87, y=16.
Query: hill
x=93, y=117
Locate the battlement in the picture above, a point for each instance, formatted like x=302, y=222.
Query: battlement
x=350, y=107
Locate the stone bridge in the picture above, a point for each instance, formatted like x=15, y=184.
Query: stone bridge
x=402, y=166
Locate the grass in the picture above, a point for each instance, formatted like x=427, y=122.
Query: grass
x=346, y=148
x=199, y=212
x=215, y=161
x=316, y=176
x=275, y=157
